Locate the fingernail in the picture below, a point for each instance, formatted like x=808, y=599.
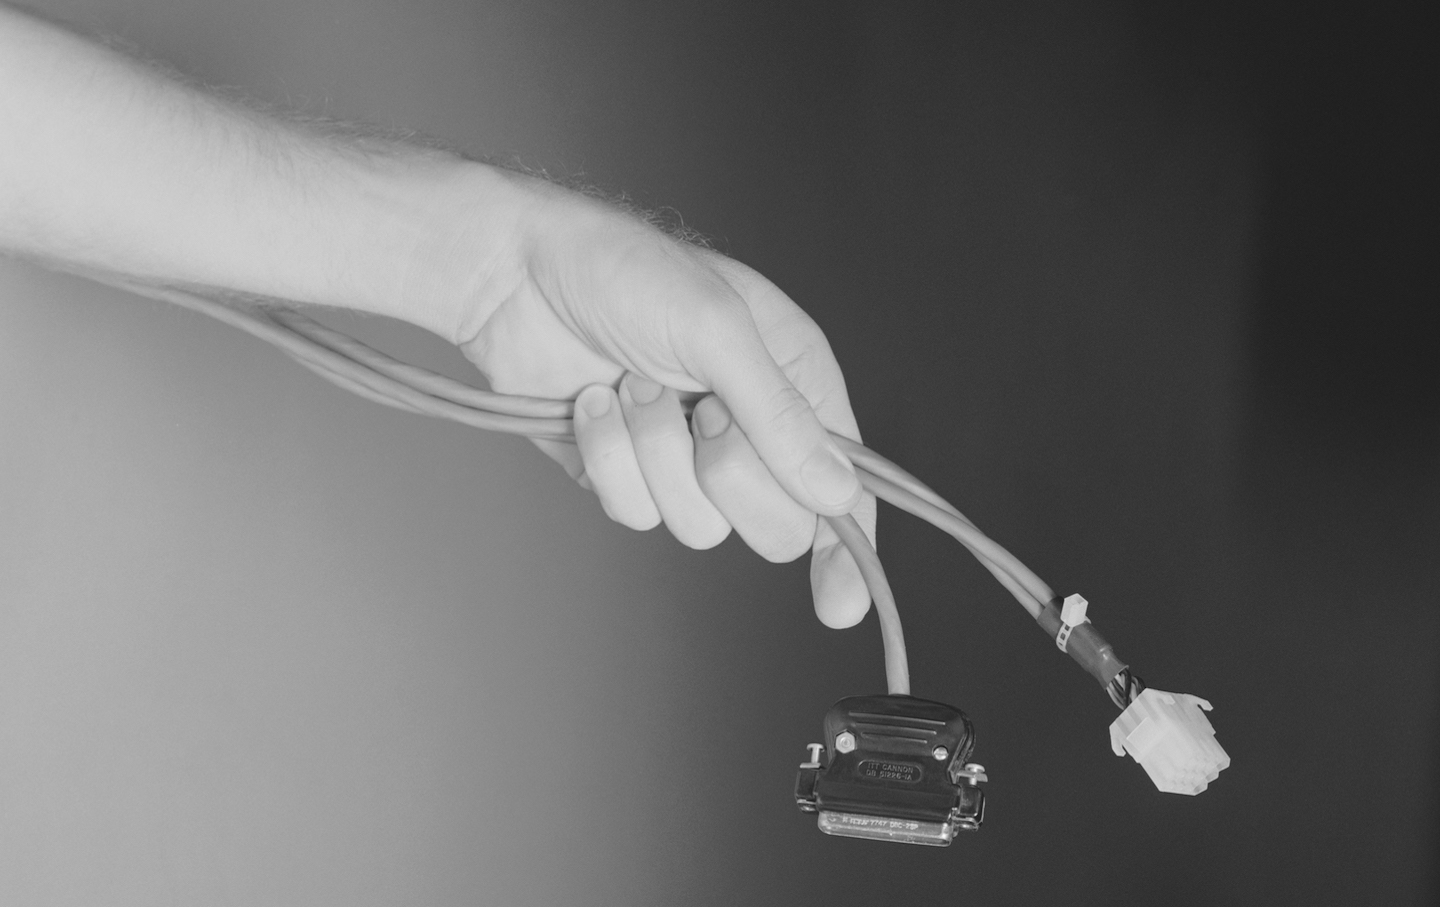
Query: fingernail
x=711, y=417
x=596, y=401
x=642, y=389
x=828, y=478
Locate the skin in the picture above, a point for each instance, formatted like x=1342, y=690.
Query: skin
x=110, y=165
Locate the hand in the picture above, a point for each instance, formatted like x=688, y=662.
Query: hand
x=550, y=293
x=592, y=303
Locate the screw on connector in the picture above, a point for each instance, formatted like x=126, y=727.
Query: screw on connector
x=940, y=753
x=972, y=772
x=815, y=750
x=844, y=742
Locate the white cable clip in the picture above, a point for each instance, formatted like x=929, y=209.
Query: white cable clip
x=1072, y=615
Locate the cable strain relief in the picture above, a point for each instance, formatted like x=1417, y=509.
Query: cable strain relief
x=1082, y=643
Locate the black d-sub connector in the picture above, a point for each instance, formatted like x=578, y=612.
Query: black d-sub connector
x=894, y=768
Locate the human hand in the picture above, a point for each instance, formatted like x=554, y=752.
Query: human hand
x=550, y=293
x=589, y=302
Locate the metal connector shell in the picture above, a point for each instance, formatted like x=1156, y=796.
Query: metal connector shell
x=878, y=828
x=904, y=774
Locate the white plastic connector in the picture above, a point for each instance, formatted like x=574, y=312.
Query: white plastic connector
x=1169, y=735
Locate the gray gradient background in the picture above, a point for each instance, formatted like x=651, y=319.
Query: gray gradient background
x=1135, y=290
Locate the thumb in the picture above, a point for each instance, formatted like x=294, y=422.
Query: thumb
x=780, y=422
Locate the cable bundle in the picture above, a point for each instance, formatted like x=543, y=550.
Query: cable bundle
x=1167, y=733
x=361, y=369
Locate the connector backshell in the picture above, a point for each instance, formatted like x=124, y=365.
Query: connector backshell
x=1169, y=735
x=894, y=768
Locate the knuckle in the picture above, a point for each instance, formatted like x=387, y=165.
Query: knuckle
x=630, y=511
x=786, y=541
x=606, y=459
x=658, y=442
x=718, y=305
x=715, y=315
x=788, y=408
x=721, y=477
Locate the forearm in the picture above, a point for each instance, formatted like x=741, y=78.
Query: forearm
x=107, y=164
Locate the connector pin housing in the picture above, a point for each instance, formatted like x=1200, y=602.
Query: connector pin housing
x=1169, y=735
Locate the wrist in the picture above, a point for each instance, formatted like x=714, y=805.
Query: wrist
x=483, y=238
x=443, y=237
x=406, y=222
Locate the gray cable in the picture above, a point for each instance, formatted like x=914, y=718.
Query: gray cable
x=897, y=667
x=363, y=370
